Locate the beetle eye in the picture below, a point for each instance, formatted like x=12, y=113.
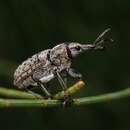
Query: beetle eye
x=78, y=48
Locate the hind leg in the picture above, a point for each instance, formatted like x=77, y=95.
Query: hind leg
x=33, y=93
x=41, y=82
x=43, y=88
x=41, y=79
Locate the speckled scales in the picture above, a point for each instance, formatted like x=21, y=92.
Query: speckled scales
x=23, y=75
x=40, y=67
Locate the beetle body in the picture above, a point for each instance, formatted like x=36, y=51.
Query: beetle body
x=44, y=66
x=41, y=66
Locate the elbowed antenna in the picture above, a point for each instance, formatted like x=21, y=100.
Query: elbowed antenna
x=98, y=43
x=100, y=37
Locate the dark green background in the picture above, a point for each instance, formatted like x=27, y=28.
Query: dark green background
x=29, y=26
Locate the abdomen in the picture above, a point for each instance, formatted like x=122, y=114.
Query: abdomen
x=23, y=76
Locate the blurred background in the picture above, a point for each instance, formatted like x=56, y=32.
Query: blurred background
x=29, y=26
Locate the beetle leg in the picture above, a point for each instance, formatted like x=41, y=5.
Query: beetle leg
x=46, y=79
x=67, y=98
x=44, y=89
x=74, y=74
x=61, y=81
x=33, y=93
x=65, y=78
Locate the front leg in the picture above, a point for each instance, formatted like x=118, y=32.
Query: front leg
x=74, y=74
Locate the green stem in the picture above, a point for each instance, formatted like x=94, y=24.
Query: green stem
x=104, y=97
x=17, y=94
x=25, y=95
x=7, y=103
x=70, y=91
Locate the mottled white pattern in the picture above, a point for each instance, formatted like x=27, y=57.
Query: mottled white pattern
x=43, y=66
x=39, y=68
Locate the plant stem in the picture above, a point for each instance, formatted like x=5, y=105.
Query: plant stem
x=25, y=95
x=70, y=91
x=7, y=103
x=16, y=94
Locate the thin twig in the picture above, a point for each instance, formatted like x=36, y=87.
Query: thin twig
x=11, y=93
x=7, y=103
x=70, y=91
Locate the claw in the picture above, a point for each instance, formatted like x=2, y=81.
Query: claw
x=67, y=100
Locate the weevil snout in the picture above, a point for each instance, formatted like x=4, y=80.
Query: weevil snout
x=77, y=48
x=87, y=46
x=98, y=44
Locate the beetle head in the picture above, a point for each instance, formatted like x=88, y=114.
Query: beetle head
x=77, y=48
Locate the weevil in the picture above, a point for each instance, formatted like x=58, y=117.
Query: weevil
x=46, y=65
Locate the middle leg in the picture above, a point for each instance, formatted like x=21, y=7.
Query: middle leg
x=67, y=98
x=61, y=81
